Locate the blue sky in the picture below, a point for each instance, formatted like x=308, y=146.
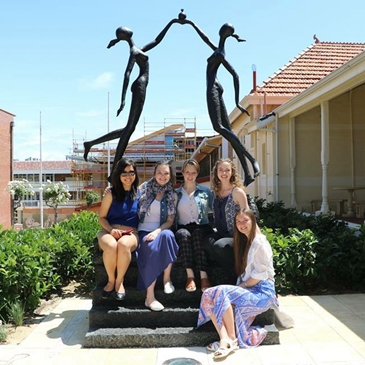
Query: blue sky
x=54, y=60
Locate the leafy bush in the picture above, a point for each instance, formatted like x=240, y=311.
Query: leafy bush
x=35, y=263
x=327, y=254
x=91, y=198
x=294, y=259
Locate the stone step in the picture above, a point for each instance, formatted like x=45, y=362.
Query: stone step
x=178, y=276
x=142, y=337
x=124, y=317
x=135, y=298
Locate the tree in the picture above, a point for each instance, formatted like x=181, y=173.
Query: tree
x=18, y=189
x=91, y=198
x=55, y=194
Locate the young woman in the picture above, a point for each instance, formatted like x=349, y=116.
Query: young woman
x=193, y=207
x=118, y=217
x=157, y=248
x=229, y=197
x=232, y=309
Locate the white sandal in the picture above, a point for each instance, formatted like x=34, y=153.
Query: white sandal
x=222, y=352
x=214, y=346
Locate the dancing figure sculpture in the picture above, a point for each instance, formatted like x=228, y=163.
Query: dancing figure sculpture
x=137, y=56
x=216, y=107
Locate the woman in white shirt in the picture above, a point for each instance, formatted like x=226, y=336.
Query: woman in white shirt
x=232, y=309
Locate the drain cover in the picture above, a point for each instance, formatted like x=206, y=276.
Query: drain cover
x=181, y=361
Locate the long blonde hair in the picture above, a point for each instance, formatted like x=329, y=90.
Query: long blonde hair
x=235, y=179
x=242, y=243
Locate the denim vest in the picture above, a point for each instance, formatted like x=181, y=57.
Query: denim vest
x=204, y=200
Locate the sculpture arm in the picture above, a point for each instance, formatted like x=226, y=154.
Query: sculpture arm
x=160, y=37
x=236, y=83
x=127, y=74
x=202, y=35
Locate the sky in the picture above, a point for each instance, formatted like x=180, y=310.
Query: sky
x=64, y=86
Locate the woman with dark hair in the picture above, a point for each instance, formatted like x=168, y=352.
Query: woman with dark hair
x=233, y=308
x=118, y=216
x=157, y=248
x=136, y=56
x=216, y=107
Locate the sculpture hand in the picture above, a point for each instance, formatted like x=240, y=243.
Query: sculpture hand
x=112, y=43
x=120, y=108
x=243, y=110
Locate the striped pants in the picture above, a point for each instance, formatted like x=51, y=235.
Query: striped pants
x=190, y=239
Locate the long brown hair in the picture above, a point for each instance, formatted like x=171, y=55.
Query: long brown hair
x=235, y=179
x=242, y=243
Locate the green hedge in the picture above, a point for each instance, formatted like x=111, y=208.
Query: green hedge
x=313, y=254
x=34, y=262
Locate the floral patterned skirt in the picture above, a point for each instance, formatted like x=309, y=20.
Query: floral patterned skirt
x=247, y=303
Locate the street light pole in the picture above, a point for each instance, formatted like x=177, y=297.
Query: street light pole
x=40, y=170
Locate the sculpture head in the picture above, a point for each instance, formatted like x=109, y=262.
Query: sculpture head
x=226, y=30
x=123, y=34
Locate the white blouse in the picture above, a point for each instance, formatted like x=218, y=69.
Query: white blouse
x=152, y=218
x=187, y=209
x=259, y=261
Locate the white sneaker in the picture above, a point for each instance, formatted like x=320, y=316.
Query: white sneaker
x=169, y=288
x=155, y=306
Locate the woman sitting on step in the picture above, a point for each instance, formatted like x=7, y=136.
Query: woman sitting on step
x=119, y=219
x=157, y=248
x=193, y=207
x=233, y=308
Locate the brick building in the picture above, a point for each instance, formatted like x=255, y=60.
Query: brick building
x=6, y=142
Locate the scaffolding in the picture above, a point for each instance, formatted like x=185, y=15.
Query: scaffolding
x=163, y=141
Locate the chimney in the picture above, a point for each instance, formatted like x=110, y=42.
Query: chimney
x=254, y=86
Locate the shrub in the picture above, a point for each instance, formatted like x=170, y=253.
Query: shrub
x=16, y=313
x=35, y=262
x=91, y=198
x=321, y=252
x=3, y=334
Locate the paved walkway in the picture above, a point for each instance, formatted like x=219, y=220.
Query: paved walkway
x=329, y=330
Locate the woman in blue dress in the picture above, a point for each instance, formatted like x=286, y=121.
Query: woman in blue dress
x=119, y=219
x=157, y=249
x=233, y=308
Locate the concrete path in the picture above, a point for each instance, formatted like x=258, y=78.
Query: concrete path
x=329, y=330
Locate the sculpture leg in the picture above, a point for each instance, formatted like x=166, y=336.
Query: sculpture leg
x=227, y=125
x=134, y=115
x=219, y=118
x=105, y=138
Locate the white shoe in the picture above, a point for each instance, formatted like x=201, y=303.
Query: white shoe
x=169, y=288
x=155, y=306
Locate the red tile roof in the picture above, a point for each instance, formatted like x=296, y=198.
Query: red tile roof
x=46, y=165
x=310, y=66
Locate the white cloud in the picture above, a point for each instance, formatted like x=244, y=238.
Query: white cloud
x=102, y=81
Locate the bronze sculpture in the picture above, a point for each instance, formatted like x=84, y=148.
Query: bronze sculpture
x=136, y=56
x=216, y=107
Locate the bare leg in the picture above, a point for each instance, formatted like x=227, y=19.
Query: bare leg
x=108, y=245
x=126, y=245
x=227, y=329
x=167, y=274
